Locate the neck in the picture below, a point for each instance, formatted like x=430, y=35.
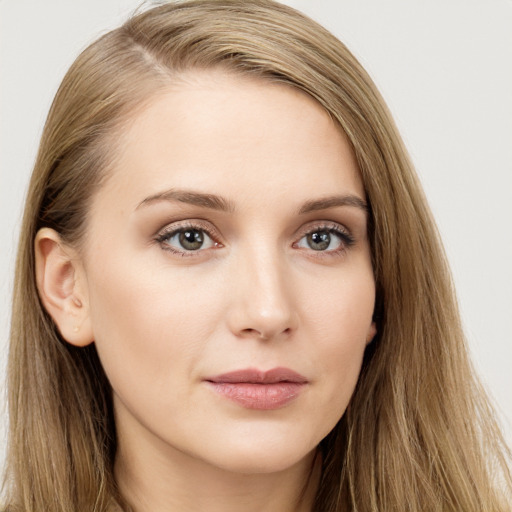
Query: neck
x=174, y=481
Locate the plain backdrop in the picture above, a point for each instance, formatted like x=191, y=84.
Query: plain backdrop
x=443, y=66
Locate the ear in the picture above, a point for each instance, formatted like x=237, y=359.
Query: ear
x=372, y=331
x=62, y=286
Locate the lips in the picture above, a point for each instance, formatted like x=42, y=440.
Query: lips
x=255, y=389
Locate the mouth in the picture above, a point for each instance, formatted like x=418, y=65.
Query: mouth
x=255, y=389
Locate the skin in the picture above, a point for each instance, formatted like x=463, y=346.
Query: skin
x=255, y=294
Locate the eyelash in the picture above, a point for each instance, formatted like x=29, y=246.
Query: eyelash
x=345, y=238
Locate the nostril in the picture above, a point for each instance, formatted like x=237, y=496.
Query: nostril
x=251, y=331
x=264, y=334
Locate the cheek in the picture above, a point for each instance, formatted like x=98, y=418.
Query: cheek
x=341, y=322
x=146, y=325
x=341, y=311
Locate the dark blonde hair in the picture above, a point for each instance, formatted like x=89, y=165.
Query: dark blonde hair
x=418, y=434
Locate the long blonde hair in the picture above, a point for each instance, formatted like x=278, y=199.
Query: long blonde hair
x=418, y=434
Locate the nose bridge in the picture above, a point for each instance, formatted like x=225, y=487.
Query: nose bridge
x=263, y=296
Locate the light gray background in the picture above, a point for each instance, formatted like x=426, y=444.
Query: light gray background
x=445, y=69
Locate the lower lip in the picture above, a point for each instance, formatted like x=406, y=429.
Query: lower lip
x=259, y=396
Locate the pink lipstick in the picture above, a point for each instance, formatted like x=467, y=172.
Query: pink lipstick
x=255, y=389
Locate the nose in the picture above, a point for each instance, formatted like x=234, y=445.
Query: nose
x=262, y=298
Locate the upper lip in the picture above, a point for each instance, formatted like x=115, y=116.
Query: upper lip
x=255, y=376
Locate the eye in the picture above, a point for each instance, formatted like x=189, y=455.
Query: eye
x=326, y=239
x=320, y=241
x=186, y=239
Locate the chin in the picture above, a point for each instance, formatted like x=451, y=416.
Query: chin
x=261, y=457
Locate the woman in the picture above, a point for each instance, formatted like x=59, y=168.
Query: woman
x=230, y=292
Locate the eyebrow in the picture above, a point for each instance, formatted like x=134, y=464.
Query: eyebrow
x=211, y=201
x=219, y=203
x=333, y=202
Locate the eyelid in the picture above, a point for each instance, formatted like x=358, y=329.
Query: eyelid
x=327, y=225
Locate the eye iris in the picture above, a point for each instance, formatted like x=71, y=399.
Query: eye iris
x=319, y=240
x=191, y=239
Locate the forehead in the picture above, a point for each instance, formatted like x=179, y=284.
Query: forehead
x=234, y=136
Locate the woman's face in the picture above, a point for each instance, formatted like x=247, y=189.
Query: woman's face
x=229, y=278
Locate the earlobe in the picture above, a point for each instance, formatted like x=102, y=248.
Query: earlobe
x=62, y=287
x=372, y=331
